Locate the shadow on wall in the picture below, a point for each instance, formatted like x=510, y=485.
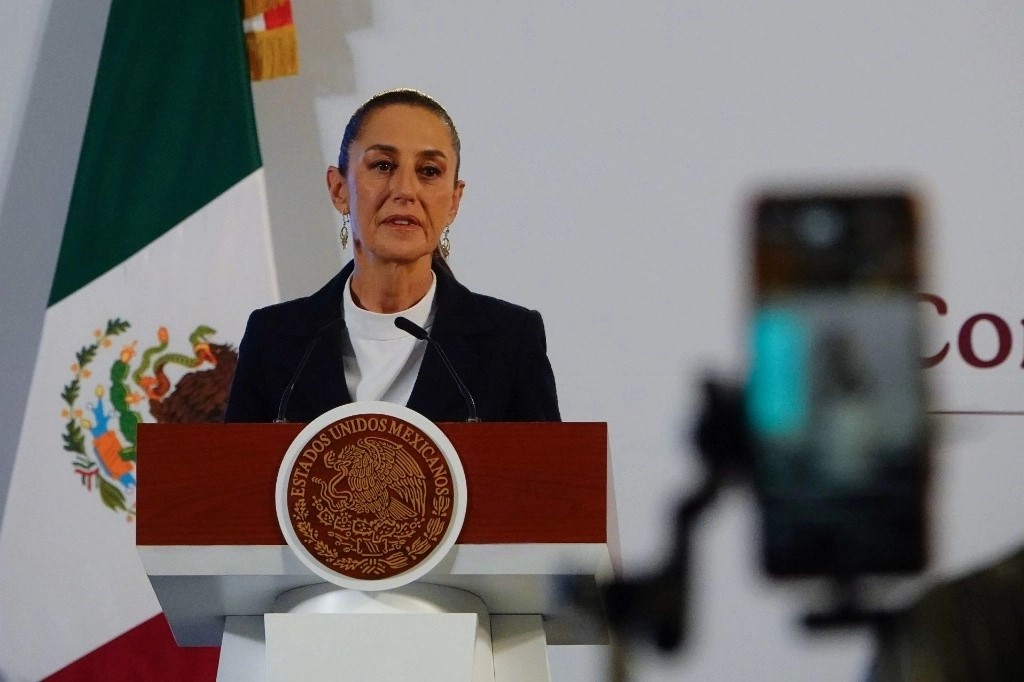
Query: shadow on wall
x=303, y=222
x=33, y=207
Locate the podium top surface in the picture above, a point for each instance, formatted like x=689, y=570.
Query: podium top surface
x=213, y=484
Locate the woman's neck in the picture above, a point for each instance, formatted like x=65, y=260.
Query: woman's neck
x=390, y=287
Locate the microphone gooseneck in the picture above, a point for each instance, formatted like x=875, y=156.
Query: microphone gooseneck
x=282, y=406
x=410, y=327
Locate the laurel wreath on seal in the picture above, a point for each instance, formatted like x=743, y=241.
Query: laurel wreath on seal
x=378, y=536
x=299, y=510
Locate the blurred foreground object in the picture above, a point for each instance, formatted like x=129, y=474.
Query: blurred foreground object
x=829, y=426
x=835, y=394
x=969, y=628
x=654, y=607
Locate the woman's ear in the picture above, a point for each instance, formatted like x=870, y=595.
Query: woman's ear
x=460, y=187
x=337, y=187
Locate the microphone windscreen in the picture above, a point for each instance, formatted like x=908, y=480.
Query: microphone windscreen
x=410, y=327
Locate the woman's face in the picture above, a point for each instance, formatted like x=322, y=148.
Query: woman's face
x=400, y=188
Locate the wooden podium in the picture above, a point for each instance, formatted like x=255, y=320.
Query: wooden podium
x=540, y=509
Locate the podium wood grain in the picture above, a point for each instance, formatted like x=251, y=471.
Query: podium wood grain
x=213, y=484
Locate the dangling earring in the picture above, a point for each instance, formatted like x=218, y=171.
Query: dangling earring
x=446, y=244
x=344, y=230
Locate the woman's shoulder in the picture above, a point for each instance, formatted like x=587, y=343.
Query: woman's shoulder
x=499, y=305
x=475, y=312
x=460, y=294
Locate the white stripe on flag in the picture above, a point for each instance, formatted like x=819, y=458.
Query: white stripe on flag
x=71, y=575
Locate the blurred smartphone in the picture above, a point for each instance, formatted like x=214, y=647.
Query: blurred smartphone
x=835, y=394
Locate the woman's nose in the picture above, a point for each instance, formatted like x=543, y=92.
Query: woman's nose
x=404, y=184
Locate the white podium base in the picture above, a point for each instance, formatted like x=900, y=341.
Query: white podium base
x=429, y=647
x=422, y=632
x=520, y=649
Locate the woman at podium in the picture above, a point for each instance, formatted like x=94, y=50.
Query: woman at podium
x=398, y=190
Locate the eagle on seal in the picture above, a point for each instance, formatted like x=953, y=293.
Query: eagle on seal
x=376, y=476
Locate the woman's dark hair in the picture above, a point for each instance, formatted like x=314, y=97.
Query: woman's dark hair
x=409, y=97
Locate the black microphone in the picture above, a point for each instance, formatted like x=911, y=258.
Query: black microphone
x=283, y=405
x=410, y=327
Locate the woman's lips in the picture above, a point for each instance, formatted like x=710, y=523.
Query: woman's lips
x=403, y=220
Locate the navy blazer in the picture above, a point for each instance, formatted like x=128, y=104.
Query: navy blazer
x=498, y=349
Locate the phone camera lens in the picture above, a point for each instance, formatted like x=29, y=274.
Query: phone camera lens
x=820, y=226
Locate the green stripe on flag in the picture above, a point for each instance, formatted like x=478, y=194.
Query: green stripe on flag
x=170, y=127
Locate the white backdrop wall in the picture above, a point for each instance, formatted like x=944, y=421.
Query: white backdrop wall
x=610, y=151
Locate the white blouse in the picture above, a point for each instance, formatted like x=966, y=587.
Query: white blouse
x=382, y=361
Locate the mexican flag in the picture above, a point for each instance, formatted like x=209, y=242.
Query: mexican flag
x=166, y=250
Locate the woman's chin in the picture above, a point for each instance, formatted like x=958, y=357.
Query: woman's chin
x=399, y=254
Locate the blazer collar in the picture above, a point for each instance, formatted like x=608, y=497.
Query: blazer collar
x=457, y=309
x=457, y=320
x=324, y=306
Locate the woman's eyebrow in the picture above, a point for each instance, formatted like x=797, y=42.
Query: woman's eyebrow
x=391, y=149
x=387, y=148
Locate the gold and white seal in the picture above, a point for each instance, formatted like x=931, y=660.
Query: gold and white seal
x=371, y=495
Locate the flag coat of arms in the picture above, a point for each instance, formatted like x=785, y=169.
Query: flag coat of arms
x=166, y=249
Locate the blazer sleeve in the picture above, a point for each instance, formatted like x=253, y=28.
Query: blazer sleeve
x=247, y=400
x=537, y=395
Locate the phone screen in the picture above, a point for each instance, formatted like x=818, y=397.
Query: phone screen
x=835, y=395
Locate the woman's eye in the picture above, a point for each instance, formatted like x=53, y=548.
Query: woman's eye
x=431, y=171
x=383, y=166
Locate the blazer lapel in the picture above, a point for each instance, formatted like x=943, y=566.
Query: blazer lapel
x=325, y=371
x=435, y=394
x=323, y=377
